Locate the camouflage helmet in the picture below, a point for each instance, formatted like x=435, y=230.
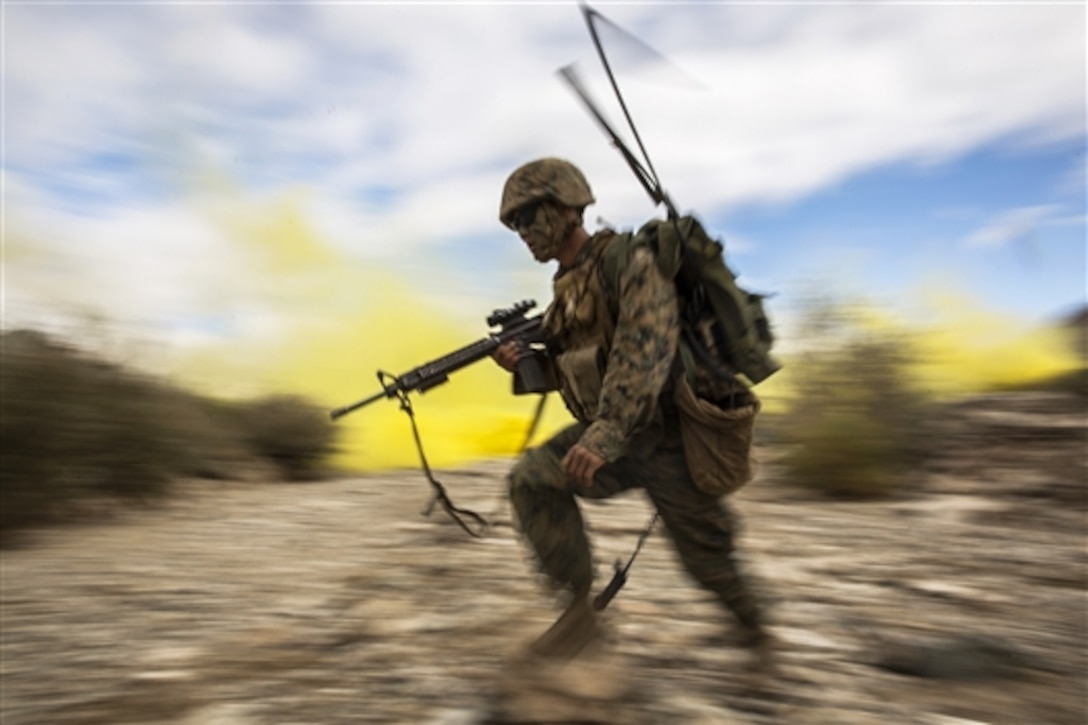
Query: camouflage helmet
x=547, y=178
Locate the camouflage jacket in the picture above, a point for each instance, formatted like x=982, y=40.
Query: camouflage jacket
x=613, y=352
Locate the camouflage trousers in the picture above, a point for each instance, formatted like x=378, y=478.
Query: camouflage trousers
x=701, y=525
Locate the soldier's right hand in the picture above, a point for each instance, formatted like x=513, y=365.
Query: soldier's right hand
x=507, y=355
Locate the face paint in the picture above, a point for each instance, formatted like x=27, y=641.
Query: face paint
x=546, y=231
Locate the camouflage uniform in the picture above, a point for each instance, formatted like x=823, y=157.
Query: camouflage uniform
x=616, y=356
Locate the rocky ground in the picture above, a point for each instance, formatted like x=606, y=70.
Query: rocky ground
x=337, y=602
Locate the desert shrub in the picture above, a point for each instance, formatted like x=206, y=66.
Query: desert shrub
x=75, y=429
x=288, y=431
x=856, y=425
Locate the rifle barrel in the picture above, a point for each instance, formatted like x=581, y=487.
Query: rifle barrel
x=345, y=409
x=437, y=371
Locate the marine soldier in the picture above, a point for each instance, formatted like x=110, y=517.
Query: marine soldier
x=614, y=331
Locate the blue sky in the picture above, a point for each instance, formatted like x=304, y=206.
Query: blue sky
x=1001, y=225
x=874, y=150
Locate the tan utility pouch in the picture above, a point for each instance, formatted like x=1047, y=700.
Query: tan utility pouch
x=717, y=442
x=580, y=380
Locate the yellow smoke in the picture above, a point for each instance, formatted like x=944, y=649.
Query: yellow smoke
x=473, y=416
x=341, y=322
x=971, y=350
x=953, y=348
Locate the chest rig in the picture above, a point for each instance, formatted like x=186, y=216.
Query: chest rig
x=580, y=323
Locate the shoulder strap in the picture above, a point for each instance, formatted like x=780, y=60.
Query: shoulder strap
x=665, y=238
x=613, y=259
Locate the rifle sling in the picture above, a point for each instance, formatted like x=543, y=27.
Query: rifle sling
x=619, y=578
x=479, y=526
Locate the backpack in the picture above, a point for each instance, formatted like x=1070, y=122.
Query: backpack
x=725, y=326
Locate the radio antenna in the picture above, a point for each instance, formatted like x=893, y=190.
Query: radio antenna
x=646, y=174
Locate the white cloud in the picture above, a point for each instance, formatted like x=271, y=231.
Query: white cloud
x=144, y=265
x=239, y=59
x=855, y=87
x=432, y=105
x=1013, y=225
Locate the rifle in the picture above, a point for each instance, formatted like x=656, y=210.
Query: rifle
x=513, y=326
x=532, y=376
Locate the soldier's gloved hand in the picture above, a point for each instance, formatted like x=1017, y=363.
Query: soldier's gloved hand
x=581, y=464
x=508, y=354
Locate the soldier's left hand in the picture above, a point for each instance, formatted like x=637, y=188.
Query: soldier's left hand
x=581, y=464
x=508, y=354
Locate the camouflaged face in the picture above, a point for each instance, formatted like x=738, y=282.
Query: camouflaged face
x=547, y=178
x=547, y=232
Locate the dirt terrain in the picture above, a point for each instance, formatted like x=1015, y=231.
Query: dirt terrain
x=337, y=602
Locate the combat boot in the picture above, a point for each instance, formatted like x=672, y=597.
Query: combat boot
x=751, y=634
x=761, y=645
x=575, y=629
